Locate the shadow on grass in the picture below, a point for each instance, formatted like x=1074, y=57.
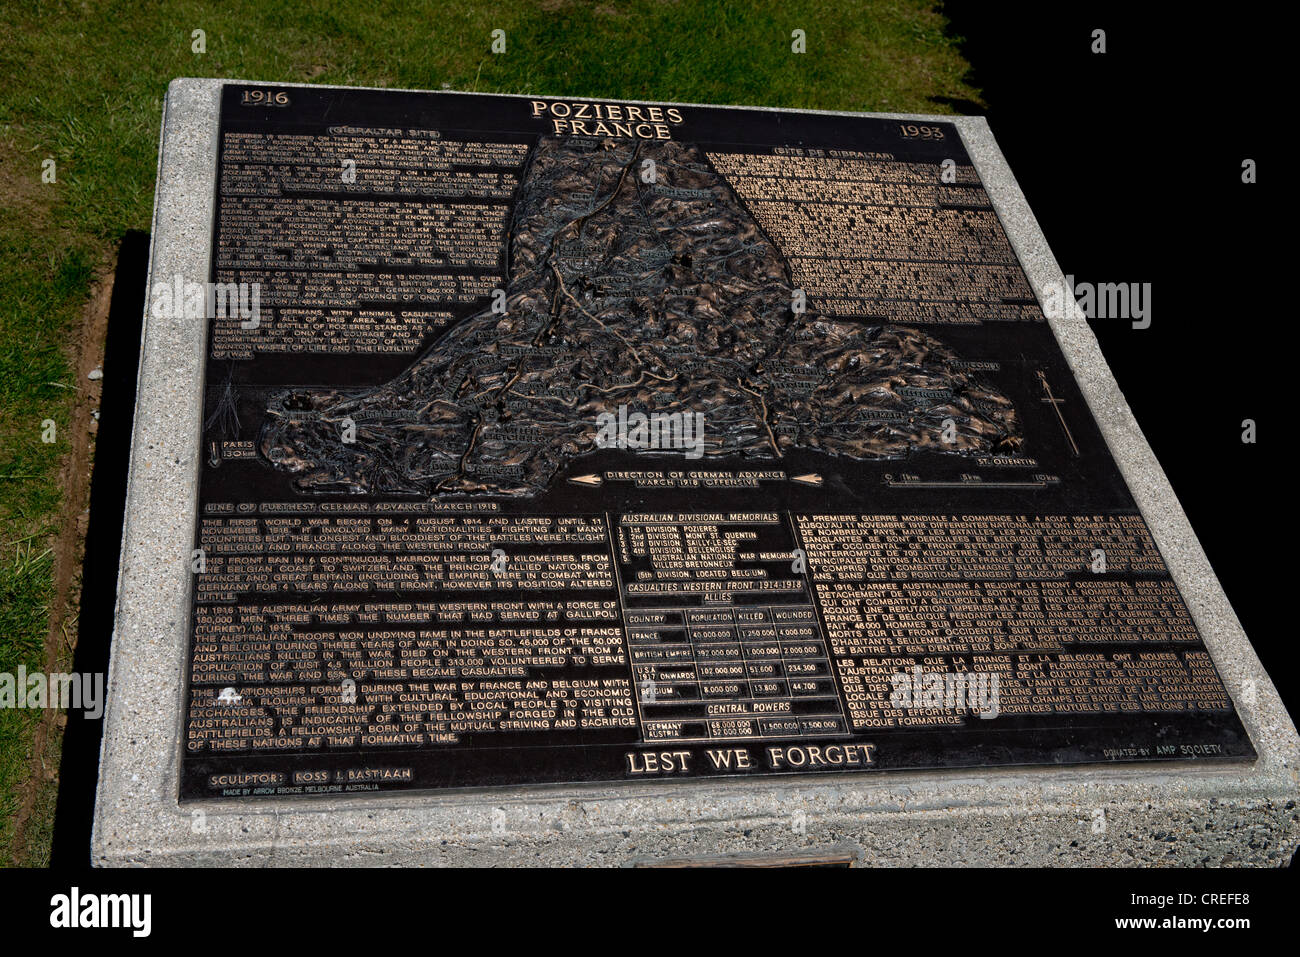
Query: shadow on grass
x=79, y=767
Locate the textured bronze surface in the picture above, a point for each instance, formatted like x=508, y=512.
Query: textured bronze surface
x=663, y=297
x=456, y=532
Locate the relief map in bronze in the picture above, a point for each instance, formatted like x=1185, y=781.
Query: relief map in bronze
x=552, y=441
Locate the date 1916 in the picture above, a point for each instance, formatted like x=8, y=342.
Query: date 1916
x=264, y=98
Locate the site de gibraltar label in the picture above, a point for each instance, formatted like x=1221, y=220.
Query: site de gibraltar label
x=552, y=440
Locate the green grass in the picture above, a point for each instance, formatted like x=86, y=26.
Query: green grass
x=83, y=83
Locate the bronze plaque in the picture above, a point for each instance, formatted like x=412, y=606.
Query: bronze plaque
x=552, y=440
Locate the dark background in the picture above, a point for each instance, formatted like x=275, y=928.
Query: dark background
x=1131, y=161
